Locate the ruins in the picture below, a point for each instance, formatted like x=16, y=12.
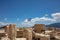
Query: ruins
x=39, y=32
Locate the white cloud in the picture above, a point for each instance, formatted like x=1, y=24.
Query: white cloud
x=33, y=21
x=44, y=20
x=26, y=23
x=56, y=16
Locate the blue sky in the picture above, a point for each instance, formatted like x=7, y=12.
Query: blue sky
x=17, y=11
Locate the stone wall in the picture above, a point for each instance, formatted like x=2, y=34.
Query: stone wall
x=38, y=28
x=11, y=31
x=28, y=34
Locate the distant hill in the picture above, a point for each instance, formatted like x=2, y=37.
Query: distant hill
x=1, y=26
x=57, y=25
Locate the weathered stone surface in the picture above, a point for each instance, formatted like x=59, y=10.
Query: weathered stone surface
x=39, y=28
x=11, y=31
x=20, y=38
